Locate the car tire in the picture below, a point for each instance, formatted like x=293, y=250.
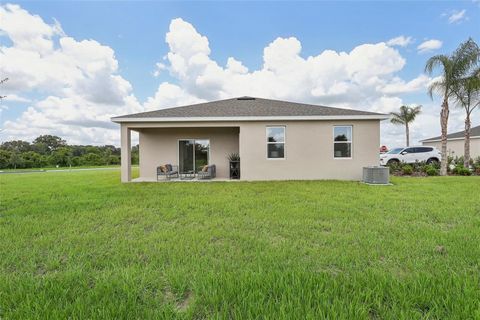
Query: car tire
x=432, y=161
x=392, y=162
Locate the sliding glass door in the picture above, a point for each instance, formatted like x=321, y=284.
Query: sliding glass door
x=193, y=154
x=185, y=155
x=202, y=150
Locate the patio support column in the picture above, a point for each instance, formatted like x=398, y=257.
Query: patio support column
x=126, y=153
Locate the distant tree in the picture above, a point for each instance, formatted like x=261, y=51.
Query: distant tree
x=452, y=68
x=62, y=156
x=135, y=155
x=15, y=160
x=113, y=159
x=52, y=143
x=405, y=117
x=467, y=94
x=41, y=148
x=92, y=149
x=78, y=151
x=16, y=145
x=92, y=159
x=4, y=159
x=107, y=152
x=31, y=159
x=48, y=150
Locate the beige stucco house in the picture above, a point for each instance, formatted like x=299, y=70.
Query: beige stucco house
x=276, y=140
x=456, y=143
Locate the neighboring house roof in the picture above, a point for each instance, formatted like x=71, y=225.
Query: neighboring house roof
x=474, y=132
x=248, y=108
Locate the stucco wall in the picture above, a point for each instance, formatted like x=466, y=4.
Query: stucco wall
x=456, y=147
x=308, y=148
x=160, y=146
x=309, y=151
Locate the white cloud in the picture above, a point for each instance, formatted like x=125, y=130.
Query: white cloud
x=364, y=78
x=400, y=41
x=398, y=85
x=330, y=76
x=351, y=79
x=429, y=45
x=168, y=95
x=15, y=98
x=79, y=81
x=159, y=67
x=457, y=16
x=82, y=88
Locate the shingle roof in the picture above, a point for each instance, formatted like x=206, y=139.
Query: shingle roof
x=474, y=132
x=245, y=107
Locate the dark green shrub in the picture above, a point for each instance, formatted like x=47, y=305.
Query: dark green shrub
x=477, y=161
x=455, y=170
x=459, y=160
x=465, y=172
x=461, y=170
x=419, y=166
x=431, y=170
x=407, y=169
x=394, y=167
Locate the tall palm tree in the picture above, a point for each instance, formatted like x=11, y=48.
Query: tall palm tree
x=452, y=68
x=406, y=116
x=467, y=92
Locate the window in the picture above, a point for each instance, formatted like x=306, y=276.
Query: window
x=275, y=142
x=395, y=151
x=409, y=150
x=342, y=141
x=423, y=149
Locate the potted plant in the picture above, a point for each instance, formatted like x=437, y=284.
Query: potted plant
x=234, y=159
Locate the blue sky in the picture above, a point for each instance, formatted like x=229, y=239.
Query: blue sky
x=136, y=33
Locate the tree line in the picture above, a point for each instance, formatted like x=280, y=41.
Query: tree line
x=53, y=151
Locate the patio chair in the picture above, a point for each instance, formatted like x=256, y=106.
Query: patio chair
x=207, y=172
x=168, y=171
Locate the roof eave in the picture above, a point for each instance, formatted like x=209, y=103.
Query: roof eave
x=449, y=139
x=246, y=118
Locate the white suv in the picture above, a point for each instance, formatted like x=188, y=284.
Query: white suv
x=411, y=155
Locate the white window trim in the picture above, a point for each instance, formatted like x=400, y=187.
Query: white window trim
x=350, y=141
x=284, y=142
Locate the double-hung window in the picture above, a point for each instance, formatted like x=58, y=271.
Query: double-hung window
x=276, y=142
x=342, y=142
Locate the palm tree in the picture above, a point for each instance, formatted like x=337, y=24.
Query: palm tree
x=452, y=68
x=468, y=96
x=406, y=116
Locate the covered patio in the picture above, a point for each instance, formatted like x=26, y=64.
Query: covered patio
x=189, y=147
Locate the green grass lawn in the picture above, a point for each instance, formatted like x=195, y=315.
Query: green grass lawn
x=62, y=168
x=81, y=245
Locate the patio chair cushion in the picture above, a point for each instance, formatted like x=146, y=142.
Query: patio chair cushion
x=163, y=169
x=169, y=167
x=205, y=168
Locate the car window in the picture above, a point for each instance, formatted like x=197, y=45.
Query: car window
x=395, y=151
x=423, y=149
x=409, y=150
